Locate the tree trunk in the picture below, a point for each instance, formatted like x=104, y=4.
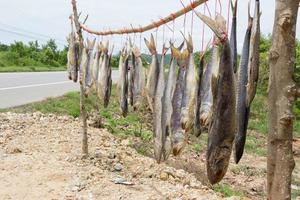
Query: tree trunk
x=282, y=95
x=82, y=92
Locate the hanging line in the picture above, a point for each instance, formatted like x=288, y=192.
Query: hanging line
x=216, y=7
x=208, y=10
x=164, y=34
x=173, y=32
x=184, y=21
x=156, y=37
x=220, y=7
x=192, y=22
x=203, y=29
x=228, y=15
x=141, y=39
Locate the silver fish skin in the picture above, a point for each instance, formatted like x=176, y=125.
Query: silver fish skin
x=153, y=73
x=83, y=64
x=253, y=68
x=223, y=125
x=139, y=78
x=233, y=40
x=197, y=125
x=95, y=66
x=167, y=108
x=222, y=128
x=206, y=90
x=123, y=83
x=241, y=107
x=103, y=72
x=88, y=71
x=178, y=139
x=72, y=57
x=189, y=98
x=159, y=92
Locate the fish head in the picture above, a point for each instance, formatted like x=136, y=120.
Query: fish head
x=189, y=44
x=158, y=151
x=217, y=163
x=178, y=142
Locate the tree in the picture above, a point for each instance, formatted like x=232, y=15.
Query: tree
x=282, y=95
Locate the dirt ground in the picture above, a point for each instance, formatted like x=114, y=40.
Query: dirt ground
x=40, y=159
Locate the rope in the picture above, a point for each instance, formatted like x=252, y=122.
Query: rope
x=192, y=22
x=228, y=13
x=203, y=29
x=184, y=21
x=151, y=26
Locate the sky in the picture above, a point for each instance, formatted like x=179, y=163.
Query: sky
x=27, y=20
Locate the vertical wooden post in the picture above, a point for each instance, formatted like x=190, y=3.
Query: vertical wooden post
x=282, y=95
x=83, y=111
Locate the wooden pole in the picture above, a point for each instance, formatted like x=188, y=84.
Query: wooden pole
x=83, y=111
x=282, y=95
x=151, y=26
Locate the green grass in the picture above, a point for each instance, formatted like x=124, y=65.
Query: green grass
x=31, y=68
x=227, y=190
x=134, y=124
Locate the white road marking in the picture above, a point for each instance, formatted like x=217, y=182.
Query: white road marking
x=34, y=85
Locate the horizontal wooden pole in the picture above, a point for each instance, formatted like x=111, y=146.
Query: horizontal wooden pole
x=151, y=26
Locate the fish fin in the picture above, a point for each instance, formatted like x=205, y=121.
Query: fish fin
x=164, y=50
x=180, y=46
x=249, y=7
x=189, y=44
x=214, y=26
x=91, y=44
x=151, y=45
x=175, y=52
x=221, y=23
x=234, y=7
x=136, y=52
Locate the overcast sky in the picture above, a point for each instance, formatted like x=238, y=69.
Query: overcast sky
x=27, y=20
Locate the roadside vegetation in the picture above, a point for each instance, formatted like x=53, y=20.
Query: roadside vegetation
x=21, y=57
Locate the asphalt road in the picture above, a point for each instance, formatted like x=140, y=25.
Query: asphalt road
x=21, y=88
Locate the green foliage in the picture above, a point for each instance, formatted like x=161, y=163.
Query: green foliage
x=32, y=54
x=227, y=190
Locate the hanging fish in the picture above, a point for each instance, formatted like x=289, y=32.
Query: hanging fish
x=189, y=96
x=108, y=82
x=241, y=107
x=212, y=69
x=85, y=65
x=222, y=127
x=197, y=125
x=233, y=41
x=167, y=106
x=95, y=67
x=73, y=51
x=123, y=82
x=178, y=139
x=152, y=78
x=253, y=68
x=104, y=77
x=139, y=78
x=159, y=92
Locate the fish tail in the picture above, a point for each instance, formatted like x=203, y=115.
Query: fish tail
x=151, y=45
x=241, y=139
x=91, y=44
x=234, y=7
